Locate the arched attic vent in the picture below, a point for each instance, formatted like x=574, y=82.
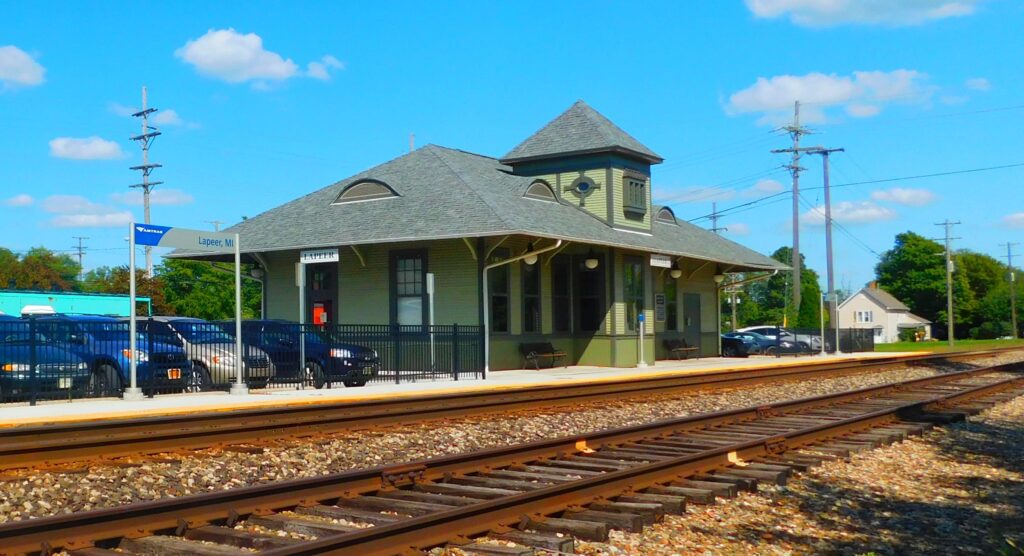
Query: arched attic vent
x=666, y=216
x=365, y=190
x=542, y=190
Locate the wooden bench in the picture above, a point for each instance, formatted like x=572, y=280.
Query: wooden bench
x=680, y=349
x=534, y=352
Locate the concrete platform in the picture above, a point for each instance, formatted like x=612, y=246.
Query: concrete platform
x=172, y=404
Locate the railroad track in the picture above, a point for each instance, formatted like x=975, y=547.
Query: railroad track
x=580, y=487
x=52, y=444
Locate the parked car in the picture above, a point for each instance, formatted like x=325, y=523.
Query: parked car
x=750, y=344
x=735, y=347
x=56, y=369
x=771, y=346
x=773, y=332
x=212, y=352
x=327, y=360
x=104, y=342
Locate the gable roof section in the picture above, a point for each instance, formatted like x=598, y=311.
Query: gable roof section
x=880, y=297
x=447, y=193
x=578, y=130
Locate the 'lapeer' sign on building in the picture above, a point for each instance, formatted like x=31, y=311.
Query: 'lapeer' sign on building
x=183, y=238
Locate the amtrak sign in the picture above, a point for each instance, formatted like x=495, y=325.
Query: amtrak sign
x=187, y=240
x=183, y=238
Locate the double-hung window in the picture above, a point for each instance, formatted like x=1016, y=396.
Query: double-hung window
x=531, y=297
x=561, y=294
x=633, y=290
x=498, y=289
x=409, y=287
x=671, y=307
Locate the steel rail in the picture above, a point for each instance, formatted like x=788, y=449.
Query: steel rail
x=82, y=530
x=56, y=443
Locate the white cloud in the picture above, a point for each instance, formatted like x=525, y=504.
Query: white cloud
x=107, y=220
x=157, y=197
x=737, y=229
x=904, y=196
x=164, y=117
x=20, y=200
x=764, y=187
x=85, y=148
x=18, y=69
x=823, y=13
x=862, y=94
x=234, y=57
x=1015, y=220
x=849, y=212
x=978, y=84
x=167, y=117
x=76, y=211
x=321, y=70
x=121, y=110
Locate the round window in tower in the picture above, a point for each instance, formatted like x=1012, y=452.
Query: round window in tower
x=583, y=186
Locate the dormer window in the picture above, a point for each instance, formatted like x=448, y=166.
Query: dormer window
x=666, y=216
x=634, y=194
x=365, y=190
x=541, y=190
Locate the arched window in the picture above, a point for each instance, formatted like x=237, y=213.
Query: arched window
x=665, y=215
x=540, y=189
x=365, y=190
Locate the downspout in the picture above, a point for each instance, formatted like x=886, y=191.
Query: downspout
x=486, y=300
x=263, y=283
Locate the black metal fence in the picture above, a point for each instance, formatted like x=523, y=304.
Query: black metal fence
x=68, y=357
x=851, y=340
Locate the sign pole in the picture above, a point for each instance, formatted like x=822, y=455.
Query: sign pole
x=239, y=387
x=133, y=392
x=641, y=363
x=302, y=322
x=430, y=320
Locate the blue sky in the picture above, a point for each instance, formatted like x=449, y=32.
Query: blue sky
x=265, y=102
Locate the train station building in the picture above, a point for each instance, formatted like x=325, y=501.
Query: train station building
x=557, y=241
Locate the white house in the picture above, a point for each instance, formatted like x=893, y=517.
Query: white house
x=877, y=309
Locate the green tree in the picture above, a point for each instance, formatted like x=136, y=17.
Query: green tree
x=197, y=289
x=116, y=280
x=772, y=297
x=42, y=269
x=8, y=268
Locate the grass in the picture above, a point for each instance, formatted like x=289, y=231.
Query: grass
x=961, y=345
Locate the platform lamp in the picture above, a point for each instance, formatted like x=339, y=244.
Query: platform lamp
x=531, y=259
x=591, y=261
x=675, y=272
x=718, y=278
x=257, y=272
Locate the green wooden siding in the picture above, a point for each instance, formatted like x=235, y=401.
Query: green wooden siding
x=619, y=218
x=596, y=202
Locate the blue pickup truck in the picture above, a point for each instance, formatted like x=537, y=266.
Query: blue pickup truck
x=103, y=342
x=57, y=370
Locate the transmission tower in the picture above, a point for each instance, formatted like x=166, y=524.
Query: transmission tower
x=795, y=132
x=145, y=139
x=81, y=253
x=714, y=219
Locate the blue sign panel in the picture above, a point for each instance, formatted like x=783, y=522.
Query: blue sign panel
x=183, y=238
x=149, y=234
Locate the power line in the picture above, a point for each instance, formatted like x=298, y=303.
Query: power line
x=866, y=182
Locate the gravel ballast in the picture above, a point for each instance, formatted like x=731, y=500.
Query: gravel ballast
x=45, y=493
x=956, y=490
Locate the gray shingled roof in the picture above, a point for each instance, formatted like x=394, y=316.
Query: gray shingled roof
x=580, y=129
x=885, y=299
x=447, y=193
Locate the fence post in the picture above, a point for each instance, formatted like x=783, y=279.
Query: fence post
x=33, y=360
x=455, y=350
x=150, y=363
x=396, y=336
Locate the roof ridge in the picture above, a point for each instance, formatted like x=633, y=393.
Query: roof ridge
x=497, y=214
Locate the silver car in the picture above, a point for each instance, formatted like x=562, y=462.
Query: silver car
x=212, y=352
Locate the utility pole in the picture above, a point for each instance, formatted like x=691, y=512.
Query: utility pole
x=216, y=224
x=145, y=139
x=81, y=252
x=949, y=279
x=714, y=219
x=412, y=142
x=830, y=278
x=795, y=132
x=1013, y=287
